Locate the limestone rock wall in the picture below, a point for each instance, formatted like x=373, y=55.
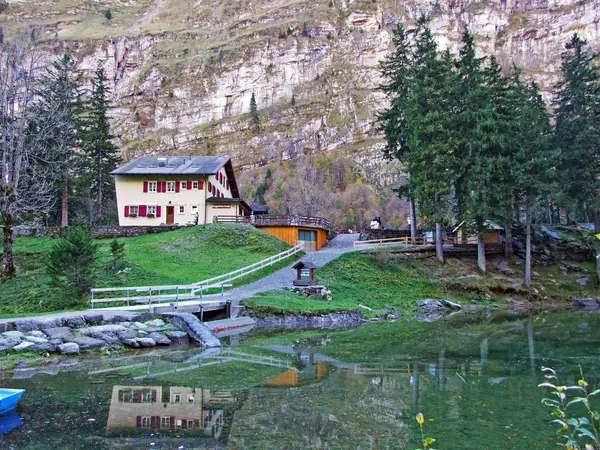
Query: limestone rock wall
x=183, y=72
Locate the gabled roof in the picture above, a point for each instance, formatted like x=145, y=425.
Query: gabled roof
x=304, y=265
x=172, y=165
x=180, y=165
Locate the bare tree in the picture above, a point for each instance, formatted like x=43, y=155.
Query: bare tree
x=26, y=185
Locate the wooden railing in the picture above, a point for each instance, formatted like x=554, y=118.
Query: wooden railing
x=404, y=240
x=152, y=295
x=267, y=220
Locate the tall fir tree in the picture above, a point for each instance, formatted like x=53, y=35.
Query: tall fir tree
x=99, y=154
x=396, y=70
x=576, y=133
x=480, y=144
x=58, y=112
x=533, y=161
x=254, y=117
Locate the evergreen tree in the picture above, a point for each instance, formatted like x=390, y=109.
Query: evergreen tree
x=117, y=252
x=108, y=15
x=480, y=143
x=99, y=154
x=254, y=117
x=57, y=115
x=417, y=125
x=70, y=262
x=397, y=69
x=576, y=134
x=532, y=166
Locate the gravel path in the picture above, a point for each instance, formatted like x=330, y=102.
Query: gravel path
x=341, y=244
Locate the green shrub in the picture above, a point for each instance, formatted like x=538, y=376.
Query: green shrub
x=70, y=262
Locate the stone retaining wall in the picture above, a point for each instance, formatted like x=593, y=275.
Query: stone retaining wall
x=100, y=232
x=296, y=322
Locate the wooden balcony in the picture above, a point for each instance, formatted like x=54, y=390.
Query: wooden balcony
x=270, y=221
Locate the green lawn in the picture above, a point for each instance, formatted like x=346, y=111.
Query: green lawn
x=182, y=256
x=376, y=281
x=386, y=282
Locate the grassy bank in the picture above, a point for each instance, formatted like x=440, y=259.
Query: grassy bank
x=182, y=256
x=379, y=282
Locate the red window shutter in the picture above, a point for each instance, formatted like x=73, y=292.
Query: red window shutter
x=172, y=421
x=155, y=421
x=158, y=208
x=127, y=211
x=164, y=186
x=137, y=396
x=145, y=186
x=177, y=186
x=189, y=184
x=201, y=185
x=184, y=424
x=153, y=395
x=143, y=210
x=138, y=422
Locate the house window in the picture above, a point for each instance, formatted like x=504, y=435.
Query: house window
x=177, y=398
x=165, y=422
x=133, y=210
x=178, y=423
x=151, y=186
x=194, y=185
x=147, y=396
x=190, y=424
x=151, y=210
x=194, y=209
x=146, y=421
x=170, y=186
x=181, y=209
x=126, y=396
x=191, y=398
x=184, y=185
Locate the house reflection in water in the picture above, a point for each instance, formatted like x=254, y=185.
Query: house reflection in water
x=134, y=409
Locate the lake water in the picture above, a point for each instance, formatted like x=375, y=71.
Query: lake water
x=473, y=377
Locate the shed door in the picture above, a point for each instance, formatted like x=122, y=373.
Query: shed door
x=309, y=237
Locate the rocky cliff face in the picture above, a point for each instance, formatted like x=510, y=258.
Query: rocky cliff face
x=184, y=72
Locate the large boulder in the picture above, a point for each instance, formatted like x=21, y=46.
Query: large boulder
x=5, y=344
x=109, y=338
x=178, y=337
x=588, y=304
x=156, y=323
x=102, y=329
x=63, y=333
x=14, y=336
x=133, y=343
x=86, y=342
x=93, y=319
x=23, y=346
x=36, y=340
x=75, y=321
x=159, y=339
x=126, y=334
x=70, y=348
x=147, y=342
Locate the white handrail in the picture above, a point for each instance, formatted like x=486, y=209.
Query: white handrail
x=220, y=281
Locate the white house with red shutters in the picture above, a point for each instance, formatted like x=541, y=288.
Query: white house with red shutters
x=177, y=190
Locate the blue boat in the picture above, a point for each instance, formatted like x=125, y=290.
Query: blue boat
x=9, y=421
x=9, y=399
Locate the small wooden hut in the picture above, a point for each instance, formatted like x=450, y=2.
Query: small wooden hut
x=305, y=274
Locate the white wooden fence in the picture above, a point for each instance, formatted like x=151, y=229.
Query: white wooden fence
x=174, y=293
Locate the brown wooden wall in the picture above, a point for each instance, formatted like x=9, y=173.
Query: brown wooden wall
x=289, y=234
